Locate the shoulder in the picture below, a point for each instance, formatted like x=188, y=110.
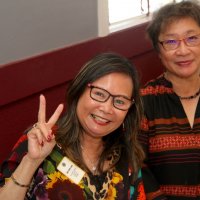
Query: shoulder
x=157, y=86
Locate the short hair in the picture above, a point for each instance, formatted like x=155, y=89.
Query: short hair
x=170, y=13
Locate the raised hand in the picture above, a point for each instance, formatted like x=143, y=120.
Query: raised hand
x=41, y=139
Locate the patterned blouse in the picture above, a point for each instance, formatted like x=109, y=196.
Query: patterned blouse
x=50, y=184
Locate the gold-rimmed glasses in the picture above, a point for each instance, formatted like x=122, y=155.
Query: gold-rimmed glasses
x=173, y=44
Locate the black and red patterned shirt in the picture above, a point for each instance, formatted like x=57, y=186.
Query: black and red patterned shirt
x=172, y=147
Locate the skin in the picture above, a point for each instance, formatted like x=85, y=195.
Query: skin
x=99, y=119
x=183, y=62
x=40, y=139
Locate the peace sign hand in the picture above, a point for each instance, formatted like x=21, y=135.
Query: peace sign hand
x=41, y=140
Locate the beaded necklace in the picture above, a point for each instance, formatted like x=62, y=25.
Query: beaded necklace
x=190, y=97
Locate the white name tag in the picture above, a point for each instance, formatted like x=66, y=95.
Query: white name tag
x=71, y=170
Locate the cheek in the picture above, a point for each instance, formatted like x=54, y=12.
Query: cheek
x=84, y=106
x=81, y=107
x=166, y=58
x=121, y=116
x=197, y=56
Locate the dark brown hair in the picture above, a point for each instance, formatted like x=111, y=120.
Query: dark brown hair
x=69, y=130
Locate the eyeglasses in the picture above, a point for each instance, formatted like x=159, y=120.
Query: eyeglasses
x=101, y=95
x=173, y=44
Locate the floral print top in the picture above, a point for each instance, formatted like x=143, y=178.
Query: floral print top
x=50, y=184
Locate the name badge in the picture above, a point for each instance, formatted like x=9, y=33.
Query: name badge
x=71, y=170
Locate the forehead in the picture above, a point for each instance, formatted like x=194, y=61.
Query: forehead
x=116, y=83
x=180, y=26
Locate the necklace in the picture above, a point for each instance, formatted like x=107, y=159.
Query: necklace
x=93, y=164
x=190, y=97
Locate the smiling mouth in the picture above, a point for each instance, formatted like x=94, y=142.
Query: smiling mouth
x=187, y=62
x=99, y=119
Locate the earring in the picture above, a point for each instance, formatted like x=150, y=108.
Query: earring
x=123, y=127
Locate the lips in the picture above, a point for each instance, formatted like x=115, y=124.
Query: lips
x=99, y=119
x=185, y=62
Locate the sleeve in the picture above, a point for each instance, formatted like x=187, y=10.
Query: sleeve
x=11, y=163
x=151, y=186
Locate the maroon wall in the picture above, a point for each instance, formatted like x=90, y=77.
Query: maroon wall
x=23, y=81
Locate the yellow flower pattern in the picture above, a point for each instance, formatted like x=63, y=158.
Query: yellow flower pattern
x=111, y=193
x=116, y=178
x=54, y=177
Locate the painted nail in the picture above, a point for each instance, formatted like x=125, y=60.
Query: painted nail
x=48, y=138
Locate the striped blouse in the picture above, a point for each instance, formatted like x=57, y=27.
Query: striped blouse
x=172, y=165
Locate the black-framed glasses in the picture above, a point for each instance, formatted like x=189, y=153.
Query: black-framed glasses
x=101, y=95
x=173, y=44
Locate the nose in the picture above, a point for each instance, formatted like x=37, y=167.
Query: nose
x=107, y=106
x=182, y=49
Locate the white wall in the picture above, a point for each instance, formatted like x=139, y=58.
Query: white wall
x=32, y=27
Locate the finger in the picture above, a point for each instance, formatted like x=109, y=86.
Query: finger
x=40, y=137
x=54, y=118
x=46, y=132
x=42, y=110
x=37, y=135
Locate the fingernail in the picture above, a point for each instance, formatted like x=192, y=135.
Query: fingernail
x=48, y=138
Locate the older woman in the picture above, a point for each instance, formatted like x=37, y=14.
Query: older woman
x=92, y=151
x=171, y=129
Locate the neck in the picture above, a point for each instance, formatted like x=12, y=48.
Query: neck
x=185, y=88
x=91, y=144
x=91, y=152
x=194, y=96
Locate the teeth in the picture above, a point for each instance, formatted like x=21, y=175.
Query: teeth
x=99, y=119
